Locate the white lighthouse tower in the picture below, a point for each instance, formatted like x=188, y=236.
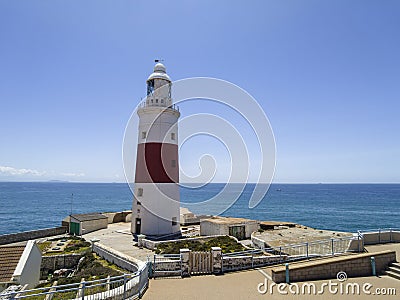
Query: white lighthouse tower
x=155, y=209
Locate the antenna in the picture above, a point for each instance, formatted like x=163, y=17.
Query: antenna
x=72, y=199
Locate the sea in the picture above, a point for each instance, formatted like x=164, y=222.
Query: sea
x=344, y=207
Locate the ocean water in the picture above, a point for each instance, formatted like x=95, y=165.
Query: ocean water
x=345, y=207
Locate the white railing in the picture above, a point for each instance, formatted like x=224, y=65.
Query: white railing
x=126, y=286
x=380, y=236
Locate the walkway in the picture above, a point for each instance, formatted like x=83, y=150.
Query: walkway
x=243, y=285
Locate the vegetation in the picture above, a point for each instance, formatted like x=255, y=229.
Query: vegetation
x=75, y=245
x=90, y=269
x=227, y=244
x=93, y=267
x=44, y=246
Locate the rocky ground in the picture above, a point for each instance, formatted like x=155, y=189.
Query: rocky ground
x=283, y=235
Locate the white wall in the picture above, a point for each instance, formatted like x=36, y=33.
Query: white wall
x=158, y=123
x=158, y=207
x=93, y=225
x=28, y=268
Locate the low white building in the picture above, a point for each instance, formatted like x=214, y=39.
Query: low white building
x=237, y=227
x=84, y=223
x=20, y=265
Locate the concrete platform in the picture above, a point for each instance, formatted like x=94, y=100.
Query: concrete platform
x=118, y=236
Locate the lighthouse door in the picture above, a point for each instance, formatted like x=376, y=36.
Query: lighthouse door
x=138, y=223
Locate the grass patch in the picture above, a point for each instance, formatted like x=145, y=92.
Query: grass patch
x=75, y=245
x=44, y=246
x=227, y=244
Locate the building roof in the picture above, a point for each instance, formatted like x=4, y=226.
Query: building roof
x=9, y=258
x=88, y=217
x=228, y=220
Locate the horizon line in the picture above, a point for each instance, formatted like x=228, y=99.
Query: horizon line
x=203, y=183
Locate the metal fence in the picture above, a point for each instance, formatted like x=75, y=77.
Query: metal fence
x=328, y=247
x=167, y=265
x=128, y=286
x=292, y=252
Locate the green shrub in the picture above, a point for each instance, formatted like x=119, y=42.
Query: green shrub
x=227, y=244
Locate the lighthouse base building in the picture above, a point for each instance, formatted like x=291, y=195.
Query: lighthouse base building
x=155, y=209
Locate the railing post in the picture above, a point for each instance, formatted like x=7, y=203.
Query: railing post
x=280, y=253
x=252, y=260
x=332, y=246
x=391, y=239
x=287, y=273
x=150, y=269
x=125, y=286
x=373, y=266
x=307, y=249
x=154, y=266
x=358, y=243
x=379, y=236
x=83, y=290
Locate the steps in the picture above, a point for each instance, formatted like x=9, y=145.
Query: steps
x=393, y=270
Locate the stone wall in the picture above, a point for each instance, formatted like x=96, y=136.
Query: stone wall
x=185, y=265
x=55, y=262
x=233, y=263
x=31, y=235
x=117, y=217
x=117, y=258
x=354, y=266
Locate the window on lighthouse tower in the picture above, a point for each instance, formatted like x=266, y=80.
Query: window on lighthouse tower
x=150, y=87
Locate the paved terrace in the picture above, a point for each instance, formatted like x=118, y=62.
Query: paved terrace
x=119, y=237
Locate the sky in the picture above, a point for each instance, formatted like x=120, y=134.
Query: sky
x=326, y=73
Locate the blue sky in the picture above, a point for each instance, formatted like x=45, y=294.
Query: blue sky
x=326, y=73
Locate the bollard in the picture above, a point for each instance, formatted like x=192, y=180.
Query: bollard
x=287, y=273
x=150, y=269
x=373, y=266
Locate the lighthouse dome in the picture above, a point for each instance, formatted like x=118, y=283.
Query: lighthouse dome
x=160, y=72
x=159, y=67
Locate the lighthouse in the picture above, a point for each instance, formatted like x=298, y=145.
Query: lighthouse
x=155, y=209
